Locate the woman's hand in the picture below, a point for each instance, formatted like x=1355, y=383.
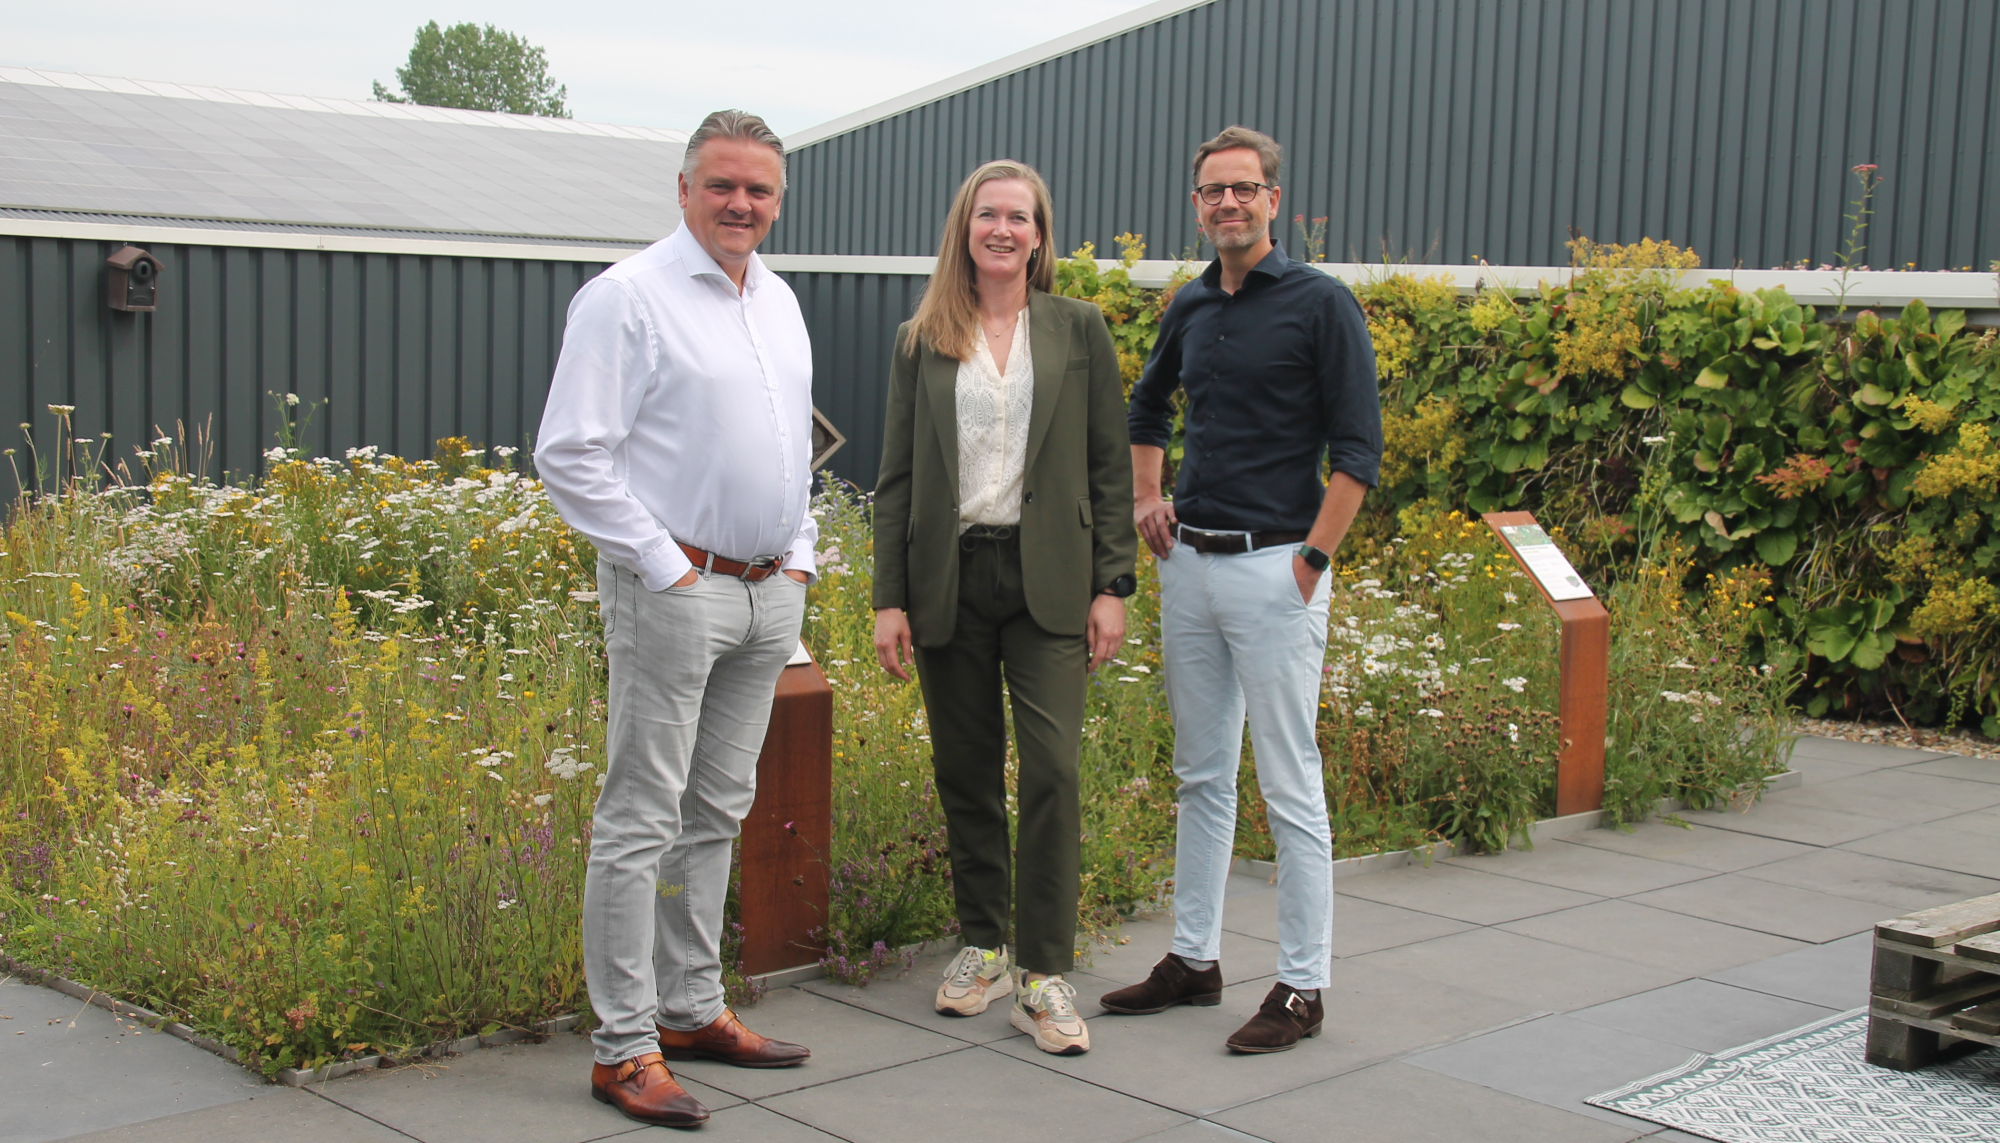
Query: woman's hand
x=893, y=646
x=1105, y=629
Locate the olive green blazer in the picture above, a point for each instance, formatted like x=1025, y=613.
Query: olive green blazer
x=1076, y=489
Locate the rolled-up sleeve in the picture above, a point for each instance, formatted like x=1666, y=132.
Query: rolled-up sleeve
x=1348, y=394
x=1150, y=417
x=609, y=358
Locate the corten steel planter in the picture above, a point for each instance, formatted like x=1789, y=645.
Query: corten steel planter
x=789, y=833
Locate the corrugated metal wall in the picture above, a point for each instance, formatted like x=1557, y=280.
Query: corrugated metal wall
x=403, y=349
x=1446, y=130
x=853, y=320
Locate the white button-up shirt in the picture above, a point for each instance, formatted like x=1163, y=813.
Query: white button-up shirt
x=681, y=409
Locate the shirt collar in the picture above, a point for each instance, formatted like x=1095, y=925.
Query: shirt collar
x=700, y=263
x=1272, y=265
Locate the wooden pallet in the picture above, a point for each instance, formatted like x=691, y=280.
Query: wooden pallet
x=1935, y=985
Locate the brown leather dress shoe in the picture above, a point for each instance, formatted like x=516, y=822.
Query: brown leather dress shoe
x=729, y=1041
x=1171, y=983
x=645, y=1090
x=1284, y=1019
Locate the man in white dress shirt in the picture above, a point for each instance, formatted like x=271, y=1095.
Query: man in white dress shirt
x=677, y=438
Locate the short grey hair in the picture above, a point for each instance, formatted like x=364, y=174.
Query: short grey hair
x=738, y=125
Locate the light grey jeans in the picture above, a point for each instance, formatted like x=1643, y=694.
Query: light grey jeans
x=693, y=671
x=1238, y=639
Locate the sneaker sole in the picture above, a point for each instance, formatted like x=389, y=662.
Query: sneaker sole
x=999, y=991
x=1025, y=1023
x=1243, y=1051
x=1199, y=1000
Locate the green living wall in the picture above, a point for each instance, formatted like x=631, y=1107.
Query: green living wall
x=1851, y=454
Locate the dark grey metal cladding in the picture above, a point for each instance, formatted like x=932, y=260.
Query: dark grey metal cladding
x=403, y=348
x=1449, y=130
x=853, y=320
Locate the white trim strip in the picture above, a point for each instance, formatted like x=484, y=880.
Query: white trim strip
x=301, y=240
x=1952, y=290
x=1006, y=65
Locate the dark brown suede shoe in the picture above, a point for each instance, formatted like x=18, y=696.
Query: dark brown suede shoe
x=730, y=1042
x=1284, y=1019
x=645, y=1090
x=1171, y=983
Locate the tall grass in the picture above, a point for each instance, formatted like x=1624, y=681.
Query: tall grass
x=309, y=763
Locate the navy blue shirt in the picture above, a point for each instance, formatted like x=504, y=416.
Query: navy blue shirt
x=1277, y=375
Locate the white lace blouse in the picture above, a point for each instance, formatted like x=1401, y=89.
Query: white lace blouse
x=993, y=431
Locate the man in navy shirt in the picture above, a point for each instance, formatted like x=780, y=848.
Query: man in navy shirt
x=1279, y=373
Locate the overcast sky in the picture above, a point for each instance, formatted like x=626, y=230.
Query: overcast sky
x=659, y=64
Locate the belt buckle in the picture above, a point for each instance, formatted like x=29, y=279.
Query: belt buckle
x=763, y=563
x=1206, y=535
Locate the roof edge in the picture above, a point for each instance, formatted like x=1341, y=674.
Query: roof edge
x=339, y=105
x=11, y=227
x=299, y=226
x=1060, y=46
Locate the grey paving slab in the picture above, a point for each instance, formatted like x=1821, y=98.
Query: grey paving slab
x=1658, y=937
x=972, y=1096
x=1177, y=1058
x=1897, y=886
x=1359, y=925
x=1814, y=770
x=1532, y=974
x=1461, y=894
x=67, y=1068
x=845, y=1041
x=745, y=1123
x=1833, y=975
x=277, y=1113
x=1720, y=851
x=1243, y=957
x=1900, y=795
x=1767, y=907
x=1202, y=1131
x=1558, y=1061
x=909, y=997
x=531, y=1093
x=1704, y=1015
x=1808, y=825
x=1941, y=845
x=1398, y=1103
x=1960, y=766
x=1867, y=754
x=1586, y=869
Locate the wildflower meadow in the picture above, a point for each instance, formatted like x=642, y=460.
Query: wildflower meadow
x=308, y=762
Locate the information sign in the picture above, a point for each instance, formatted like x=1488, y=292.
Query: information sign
x=1545, y=562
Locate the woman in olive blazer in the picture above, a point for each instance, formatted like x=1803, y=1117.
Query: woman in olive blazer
x=1004, y=546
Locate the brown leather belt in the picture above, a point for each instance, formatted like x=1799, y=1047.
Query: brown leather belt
x=751, y=572
x=1219, y=543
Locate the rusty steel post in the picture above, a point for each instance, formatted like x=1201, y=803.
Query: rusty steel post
x=789, y=834
x=1586, y=684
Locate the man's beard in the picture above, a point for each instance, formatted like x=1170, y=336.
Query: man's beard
x=1242, y=239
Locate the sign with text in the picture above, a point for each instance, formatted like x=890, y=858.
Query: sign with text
x=1545, y=562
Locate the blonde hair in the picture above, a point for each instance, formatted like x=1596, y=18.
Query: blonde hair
x=947, y=318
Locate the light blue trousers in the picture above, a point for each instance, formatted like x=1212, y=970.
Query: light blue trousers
x=693, y=673
x=1238, y=640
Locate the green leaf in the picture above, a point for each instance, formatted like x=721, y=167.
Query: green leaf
x=1873, y=394
x=1949, y=322
x=1871, y=650
x=1636, y=398
x=1712, y=378
x=1777, y=548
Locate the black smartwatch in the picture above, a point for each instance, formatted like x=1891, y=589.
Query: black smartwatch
x=1314, y=558
x=1121, y=587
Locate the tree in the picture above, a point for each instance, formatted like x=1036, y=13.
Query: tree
x=478, y=69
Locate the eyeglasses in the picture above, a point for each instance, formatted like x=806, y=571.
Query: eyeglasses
x=1211, y=193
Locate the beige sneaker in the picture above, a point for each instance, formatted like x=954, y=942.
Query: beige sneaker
x=1046, y=1010
x=977, y=978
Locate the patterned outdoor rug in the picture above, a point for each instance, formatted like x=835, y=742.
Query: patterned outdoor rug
x=1812, y=1086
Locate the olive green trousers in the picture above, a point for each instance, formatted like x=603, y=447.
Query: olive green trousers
x=1034, y=881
